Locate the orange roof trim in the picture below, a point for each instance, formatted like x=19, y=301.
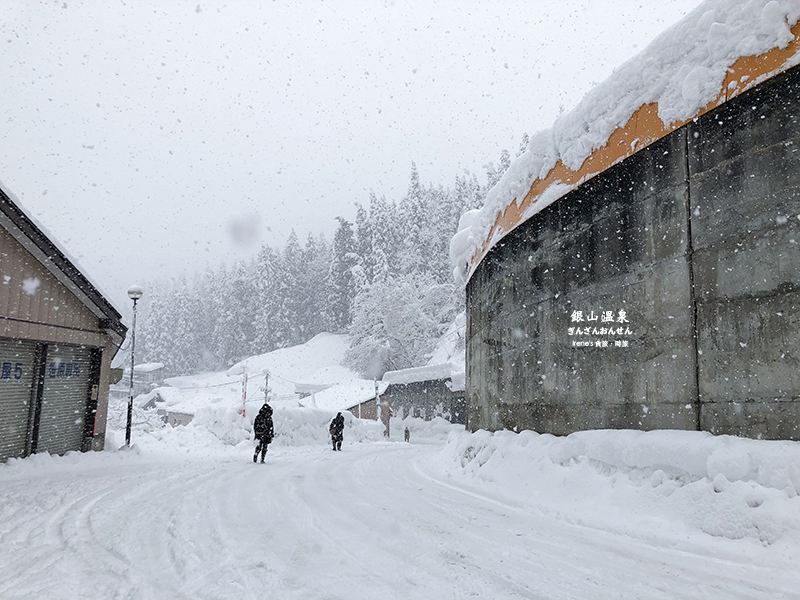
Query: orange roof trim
x=642, y=129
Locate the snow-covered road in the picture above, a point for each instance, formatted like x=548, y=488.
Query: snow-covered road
x=376, y=521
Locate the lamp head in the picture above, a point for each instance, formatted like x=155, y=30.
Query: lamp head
x=135, y=292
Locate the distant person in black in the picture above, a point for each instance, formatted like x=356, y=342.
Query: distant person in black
x=407, y=435
x=337, y=431
x=263, y=428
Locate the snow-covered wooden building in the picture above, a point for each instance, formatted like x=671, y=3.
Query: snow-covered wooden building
x=426, y=392
x=58, y=335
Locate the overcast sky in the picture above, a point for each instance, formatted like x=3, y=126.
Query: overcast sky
x=142, y=134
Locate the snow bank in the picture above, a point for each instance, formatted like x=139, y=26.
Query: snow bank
x=629, y=480
x=309, y=427
x=682, y=71
x=220, y=424
x=435, y=430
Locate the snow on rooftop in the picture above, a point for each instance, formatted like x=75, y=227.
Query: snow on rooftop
x=415, y=374
x=148, y=367
x=344, y=395
x=682, y=71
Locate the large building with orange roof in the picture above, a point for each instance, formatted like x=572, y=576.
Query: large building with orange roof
x=639, y=266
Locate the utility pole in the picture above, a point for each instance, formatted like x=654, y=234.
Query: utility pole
x=244, y=390
x=135, y=293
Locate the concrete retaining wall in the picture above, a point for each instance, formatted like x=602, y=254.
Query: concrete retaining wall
x=691, y=246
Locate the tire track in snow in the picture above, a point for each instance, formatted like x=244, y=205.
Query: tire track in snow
x=374, y=521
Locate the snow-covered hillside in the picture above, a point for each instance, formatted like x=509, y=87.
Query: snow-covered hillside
x=313, y=368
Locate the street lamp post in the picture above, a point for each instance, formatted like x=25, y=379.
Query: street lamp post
x=134, y=293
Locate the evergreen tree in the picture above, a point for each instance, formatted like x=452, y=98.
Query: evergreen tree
x=313, y=286
x=364, y=250
x=288, y=328
x=523, y=144
x=341, y=288
x=383, y=246
x=397, y=323
x=416, y=216
x=265, y=304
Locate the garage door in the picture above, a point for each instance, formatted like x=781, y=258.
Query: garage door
x=16, y=393
x=64, y=399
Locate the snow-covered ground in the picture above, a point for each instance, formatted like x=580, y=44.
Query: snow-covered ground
x=608, y=514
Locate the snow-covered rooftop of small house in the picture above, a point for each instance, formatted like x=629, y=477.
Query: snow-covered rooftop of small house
x=416, y=374
x=693, y=66
x=344, y=394
x=148, y=367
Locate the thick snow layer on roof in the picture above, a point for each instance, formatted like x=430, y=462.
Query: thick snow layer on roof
x=317, y=362
x=682, y=70
x=415, y=374
x=185, y=401
x=148, y=367
x=344, y=395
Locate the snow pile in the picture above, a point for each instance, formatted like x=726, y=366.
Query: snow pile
x=420, y=430
x=636, y=481
x=221, y=424
x=215, y=401
x=225, y=422
x=309, y=427
x=44, y=464
x=682, y=71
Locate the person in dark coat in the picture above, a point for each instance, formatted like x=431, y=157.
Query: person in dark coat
x=337, y=431
x=264, y=431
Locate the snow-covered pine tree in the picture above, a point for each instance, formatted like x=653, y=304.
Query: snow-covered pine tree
x=384, y=244
x=312, y=285
x=364, y=243
x=397, y=323
x=265, y=302
x=415, y=218
x=288, y=328
x=341, y=285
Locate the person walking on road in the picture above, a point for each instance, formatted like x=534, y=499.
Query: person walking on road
x=264, y=431
x=337, y=431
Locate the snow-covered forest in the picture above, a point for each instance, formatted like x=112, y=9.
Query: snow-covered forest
x=385, y=279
